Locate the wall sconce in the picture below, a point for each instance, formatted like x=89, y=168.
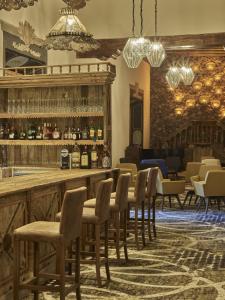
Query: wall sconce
x=222, y=113
x=179, y=97
x=190, y=103
x=204, y=99
x=208, y=82
x=179, y=111
x=210, y=66
x=215, y=103
x=197, y=85
x=195, y=68
x=218, y=77
x=218, y=91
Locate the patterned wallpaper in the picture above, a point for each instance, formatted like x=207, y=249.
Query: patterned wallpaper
x=208, y=85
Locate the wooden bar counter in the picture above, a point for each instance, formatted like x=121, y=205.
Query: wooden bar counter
x=35, y=197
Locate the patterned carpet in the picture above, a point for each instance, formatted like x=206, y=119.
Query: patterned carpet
x=186, y=261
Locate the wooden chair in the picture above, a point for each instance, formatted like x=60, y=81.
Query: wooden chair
x=136, y=200
x=61, y=234
x=118, y=210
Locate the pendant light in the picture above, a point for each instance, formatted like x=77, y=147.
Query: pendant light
x=157, y=53
x=143, y=44
x=15, y=4
x=130, y=53
x=70, y=34
x=173, y=76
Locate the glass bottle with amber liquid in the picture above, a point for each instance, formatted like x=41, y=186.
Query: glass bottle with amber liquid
x=94, y=157
x=84, y=159
x=75, y=157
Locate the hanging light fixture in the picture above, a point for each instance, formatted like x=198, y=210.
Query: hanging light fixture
x=130, y=53
x=173, y=77
x=187, y=74
x=70, y=34
x=157, y=52
x=15, y=4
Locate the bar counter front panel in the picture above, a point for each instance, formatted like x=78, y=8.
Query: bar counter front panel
x=37, y=197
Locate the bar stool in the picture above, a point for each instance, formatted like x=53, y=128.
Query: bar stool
x=61, y=234
x=118, y=210
x=98, y=216
x=136, y=199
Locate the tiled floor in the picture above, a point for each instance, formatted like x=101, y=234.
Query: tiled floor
x=186, y=261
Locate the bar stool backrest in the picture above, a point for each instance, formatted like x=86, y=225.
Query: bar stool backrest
x=151, y=184
x=140, y=185
x=102, y=199
x=122, y=191
x=72, y=209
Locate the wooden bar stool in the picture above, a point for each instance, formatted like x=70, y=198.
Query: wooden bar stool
x=61, y=234
x=136, y=199
x=118, y=210
x=96, y=217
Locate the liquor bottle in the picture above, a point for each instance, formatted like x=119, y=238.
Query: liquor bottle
x=12, y=133
x=64, y=159
x=65, y=134
x=92, y=133
x=56, y=133
x=1, y=132
x=69, y=134
x=75, y=157
x=84, y=160
x=45, y=132
x=22, y=135
x=74, y=135
x=78, y=133
x=94, y=157
x=49, y=131
x=6, y=132
x=85, y=133
x=106, y=161
x=30, y=135
x=39, y=134
x=99, y=133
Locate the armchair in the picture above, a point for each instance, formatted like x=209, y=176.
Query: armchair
x=211, y=187
x=166, y=187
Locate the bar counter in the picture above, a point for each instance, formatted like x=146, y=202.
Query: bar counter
x=29, y=198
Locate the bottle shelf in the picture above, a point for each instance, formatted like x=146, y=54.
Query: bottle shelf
x=50, y=142
x=51, y=115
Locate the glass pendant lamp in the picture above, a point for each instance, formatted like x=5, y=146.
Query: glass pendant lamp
x=131, y=54
x=157, y=52
x=173, y=77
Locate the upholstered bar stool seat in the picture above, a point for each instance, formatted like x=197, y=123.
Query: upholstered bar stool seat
x=61, y=235
x=118, y=209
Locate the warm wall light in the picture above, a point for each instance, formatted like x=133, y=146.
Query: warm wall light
x=179, y=97
x=179, y=111
x=218, y=91
x=215, y=103
x=195, y=68
x=208, y=82
x=222, y=112
x=218, y=76
x=210, y=66
x=204, y=99
x=190, y=103
x=197, y=85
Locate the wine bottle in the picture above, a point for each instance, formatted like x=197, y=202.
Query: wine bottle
x=94, y=157
x=92, y=133
x=99, y=133
x=75, y=157
x=84, y=159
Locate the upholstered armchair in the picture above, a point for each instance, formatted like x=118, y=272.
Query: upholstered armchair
x=192, y=168
x=167, y=187
x=212, y=187
x=211, y=161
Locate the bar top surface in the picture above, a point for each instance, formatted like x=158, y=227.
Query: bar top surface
x=13, y=185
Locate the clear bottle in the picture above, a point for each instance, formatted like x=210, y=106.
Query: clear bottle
x=75, y=157
x=22, y=135
x=30, y=135
x=106, y=160
x=12, y=133
x=45, y=132
x=78, y=133
x=65, y=134
x=6, y=132
x=74, y=135
x=94, y=157
x=39, y=134
x=56, y=133
x=84, y=160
